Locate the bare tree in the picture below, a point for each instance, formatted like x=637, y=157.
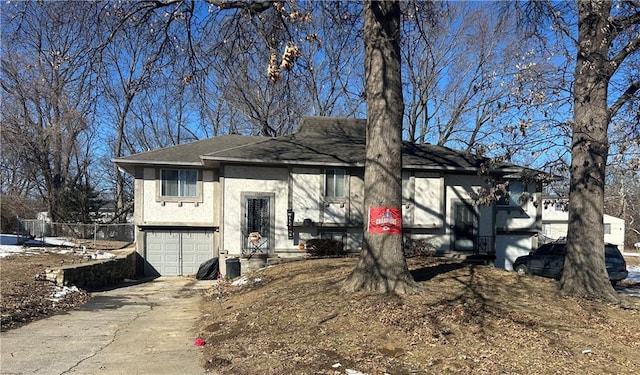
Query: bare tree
x=597, y=65
x=606, y=38
x=17, y=175
x=330, y=66
x=269, y=109
x=382, y=266
x=472, y=84
x=127, y=69
x=48, y=81
x=237, y=47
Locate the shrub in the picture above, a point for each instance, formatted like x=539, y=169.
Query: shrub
x=325, y=247
x=415, y=248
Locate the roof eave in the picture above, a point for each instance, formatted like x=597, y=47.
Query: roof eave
x=283, y=162
x=156, y=162
x=129, y=165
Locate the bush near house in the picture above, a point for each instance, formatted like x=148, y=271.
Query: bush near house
x=325, y=247
x=415, y=248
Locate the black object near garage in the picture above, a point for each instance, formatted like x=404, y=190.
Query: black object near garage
x=233, y=268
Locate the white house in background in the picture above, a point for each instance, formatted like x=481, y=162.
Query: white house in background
x=210, y=198
x=555, y=221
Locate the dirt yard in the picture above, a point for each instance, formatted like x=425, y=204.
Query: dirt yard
x=26, y=296
x=293, y=319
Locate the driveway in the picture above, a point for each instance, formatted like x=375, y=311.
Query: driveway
x=147, y=328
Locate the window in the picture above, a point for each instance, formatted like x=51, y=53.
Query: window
x=514, y=193
x=179, y=183
x=544, y=249
x=607, y=228
x=334, y=184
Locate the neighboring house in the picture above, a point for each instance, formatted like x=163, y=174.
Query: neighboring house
x=212, y=197
x=555, y=221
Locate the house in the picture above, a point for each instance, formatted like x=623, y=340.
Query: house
x=555, y=221
x=240, y=196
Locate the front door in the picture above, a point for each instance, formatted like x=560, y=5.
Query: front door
x=465, y=226
x=257, y=225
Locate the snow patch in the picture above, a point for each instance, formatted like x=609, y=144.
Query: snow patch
x=11, y=244
x=634, y=274
x=241, y=281
x=354, y=372
x=245, y=280
x=102, y=255
x=6, y=250
x=61, y=292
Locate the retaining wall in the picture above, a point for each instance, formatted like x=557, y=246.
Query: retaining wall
x=97, y=274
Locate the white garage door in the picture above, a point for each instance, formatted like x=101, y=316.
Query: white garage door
x=176, y=253
x=509, y=247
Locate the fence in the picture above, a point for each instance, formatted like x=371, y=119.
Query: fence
x=97, y=235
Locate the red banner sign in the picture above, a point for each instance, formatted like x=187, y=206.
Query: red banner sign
x=385, y=220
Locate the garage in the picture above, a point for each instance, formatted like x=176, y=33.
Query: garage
x=509, y=247
x=177, y=253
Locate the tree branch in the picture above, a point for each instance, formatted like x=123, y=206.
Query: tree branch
x=631, y=47
x=622, y=23
x=624, y=98
x=252, y=6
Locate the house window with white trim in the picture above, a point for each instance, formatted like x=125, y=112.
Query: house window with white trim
x=335, y=183
x=179, y=183
x=607, y=228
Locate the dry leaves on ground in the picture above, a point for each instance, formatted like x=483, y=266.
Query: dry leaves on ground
x=293, y=319
x=26, y=296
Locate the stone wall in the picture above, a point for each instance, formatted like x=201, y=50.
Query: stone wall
x=98, y=274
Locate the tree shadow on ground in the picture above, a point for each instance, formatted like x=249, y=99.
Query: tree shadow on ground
x=428, y=273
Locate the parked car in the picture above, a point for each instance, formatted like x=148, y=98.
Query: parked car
x=548, y=261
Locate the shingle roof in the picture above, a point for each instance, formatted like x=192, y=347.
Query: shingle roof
x=323, y=141
x=188, y=153
x=319, y=141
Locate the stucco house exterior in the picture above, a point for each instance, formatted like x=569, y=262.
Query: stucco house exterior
x=555, y=221
x=234, y=195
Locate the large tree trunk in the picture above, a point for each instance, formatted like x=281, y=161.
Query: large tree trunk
x=584, y=272
x=382, y=266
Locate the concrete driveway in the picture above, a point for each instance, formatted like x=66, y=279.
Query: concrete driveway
x=148, y=328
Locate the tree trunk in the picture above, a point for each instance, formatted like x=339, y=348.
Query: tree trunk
x=382, y=266
x=584, y=272
x=119, y=180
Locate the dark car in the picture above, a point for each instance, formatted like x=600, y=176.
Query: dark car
x=548, y=261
